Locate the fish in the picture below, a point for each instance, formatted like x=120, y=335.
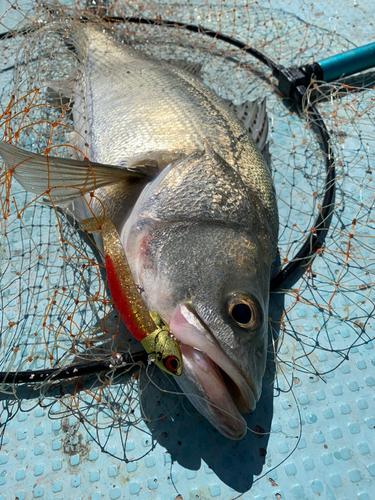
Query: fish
x=177, y=170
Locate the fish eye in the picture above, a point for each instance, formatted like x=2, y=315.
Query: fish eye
x=241, y=313
x=244, y=310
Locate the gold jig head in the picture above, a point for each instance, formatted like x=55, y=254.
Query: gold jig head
x=163, y=348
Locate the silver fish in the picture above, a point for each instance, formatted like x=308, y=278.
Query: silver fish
x=192, y=199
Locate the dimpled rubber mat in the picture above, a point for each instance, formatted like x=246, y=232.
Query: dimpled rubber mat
x=136, y=436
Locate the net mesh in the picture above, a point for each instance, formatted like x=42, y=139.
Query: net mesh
x=55, y=308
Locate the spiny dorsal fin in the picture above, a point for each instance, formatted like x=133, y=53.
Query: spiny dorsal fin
x=253, y=115
x=192, y=68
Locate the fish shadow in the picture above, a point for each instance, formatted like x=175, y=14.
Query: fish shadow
x=190, y=439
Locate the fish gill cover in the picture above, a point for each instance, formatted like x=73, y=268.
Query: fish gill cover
x=55, y=307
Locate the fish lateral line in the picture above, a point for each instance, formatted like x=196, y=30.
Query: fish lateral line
x=145, y=326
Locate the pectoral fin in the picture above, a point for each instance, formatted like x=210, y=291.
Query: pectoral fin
x=65, y=179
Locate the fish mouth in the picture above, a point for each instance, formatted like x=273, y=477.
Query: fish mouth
x=210, y=379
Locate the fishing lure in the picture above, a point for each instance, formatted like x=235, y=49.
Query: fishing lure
x=145, y=326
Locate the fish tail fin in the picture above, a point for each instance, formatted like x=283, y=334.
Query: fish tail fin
x=74, y=30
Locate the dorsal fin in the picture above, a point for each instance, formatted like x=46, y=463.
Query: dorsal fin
x=192, y=68
x=253, y=115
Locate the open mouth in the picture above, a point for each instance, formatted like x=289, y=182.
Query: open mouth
x=234, y=391
x=211, y=381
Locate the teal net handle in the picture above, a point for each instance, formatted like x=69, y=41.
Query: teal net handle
x=348, y=63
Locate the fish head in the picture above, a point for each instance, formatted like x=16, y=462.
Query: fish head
x=197, y=248
x=222, y=326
